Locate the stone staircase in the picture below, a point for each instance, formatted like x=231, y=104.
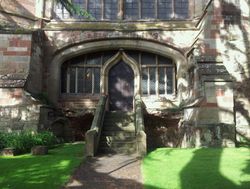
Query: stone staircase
x=118, y=133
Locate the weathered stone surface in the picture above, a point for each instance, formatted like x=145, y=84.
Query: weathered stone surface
x=167, y=132
x=39, y=150
x=8, y=152
x=15, y=59
x=18, y=111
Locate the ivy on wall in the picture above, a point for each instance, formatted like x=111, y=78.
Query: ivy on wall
x=75, y=9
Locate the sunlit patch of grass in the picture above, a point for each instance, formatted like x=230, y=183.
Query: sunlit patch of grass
x=203, y=168
x=39, y=172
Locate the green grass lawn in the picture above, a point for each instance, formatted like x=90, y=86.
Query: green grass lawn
x=40, y=172
x=205, y=168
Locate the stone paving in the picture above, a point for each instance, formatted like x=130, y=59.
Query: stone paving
x=108, y=172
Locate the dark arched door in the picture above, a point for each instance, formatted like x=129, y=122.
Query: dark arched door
x=121, y=87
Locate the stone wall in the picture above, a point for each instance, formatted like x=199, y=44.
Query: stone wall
x=34, y=82
x=19, y=15
x=225, y=41
x=18, y=110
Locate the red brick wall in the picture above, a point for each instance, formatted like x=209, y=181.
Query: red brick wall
x=15, y=51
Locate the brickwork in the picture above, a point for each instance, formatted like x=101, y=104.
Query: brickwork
x=15, y=53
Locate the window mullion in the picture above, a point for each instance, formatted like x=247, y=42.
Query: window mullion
x=173, y=9
x=84, y=80
x=140, y=9
x=174, y=78
x=156, y=77
x=93, y=80
x=148, y=81
x=76, y=80
x=102, y=9
x=156, y=9
x=165, y=80
x=68, y=81
x=102, y=63
x=121, y=10
x=87, y=5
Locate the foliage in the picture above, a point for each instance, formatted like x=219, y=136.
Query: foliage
x=204, y=168
x=39, y=172
x=75, y=9
x=24, y=141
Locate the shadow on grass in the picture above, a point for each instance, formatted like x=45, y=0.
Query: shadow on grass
x=207, y=170
x=49, y=171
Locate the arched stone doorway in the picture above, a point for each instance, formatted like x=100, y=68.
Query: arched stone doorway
x=121, y=87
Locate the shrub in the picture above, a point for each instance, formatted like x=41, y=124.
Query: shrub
x=24, y=141
x=2, y=141
x=46, y=139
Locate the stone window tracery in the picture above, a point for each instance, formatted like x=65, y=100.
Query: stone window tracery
x=129, y=9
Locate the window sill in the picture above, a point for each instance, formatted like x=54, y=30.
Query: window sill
x=159, y=98
x=124, y=25
x=74, y=96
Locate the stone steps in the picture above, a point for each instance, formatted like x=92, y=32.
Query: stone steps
x=118, y=133
x=119, y=127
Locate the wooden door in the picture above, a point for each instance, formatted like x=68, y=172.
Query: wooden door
x=121, y=87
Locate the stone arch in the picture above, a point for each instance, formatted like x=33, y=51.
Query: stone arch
x=111, y=44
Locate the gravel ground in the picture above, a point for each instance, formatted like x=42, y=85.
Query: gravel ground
x=108, y=172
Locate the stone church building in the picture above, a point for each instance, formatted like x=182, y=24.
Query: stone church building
x=171, y=72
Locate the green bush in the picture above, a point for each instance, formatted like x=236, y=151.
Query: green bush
x=45, y=138
x=24, y=141
x=2, y=141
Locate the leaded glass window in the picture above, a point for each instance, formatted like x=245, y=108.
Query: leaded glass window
x=131, y=9
x=148, y=9
x=181, y=9
x=148, y=58
x=82, y=74
x=157, y=75
x=94, y=8
x=111, y=9
x=61, y=12
x=165, y=9
x=80, y=4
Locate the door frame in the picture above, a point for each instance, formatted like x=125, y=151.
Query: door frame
x=121, y=55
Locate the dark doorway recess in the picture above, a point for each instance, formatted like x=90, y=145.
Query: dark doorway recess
x=121, y=87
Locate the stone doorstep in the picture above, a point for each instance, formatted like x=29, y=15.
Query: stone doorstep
x=39, y=150
x=8, y=152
